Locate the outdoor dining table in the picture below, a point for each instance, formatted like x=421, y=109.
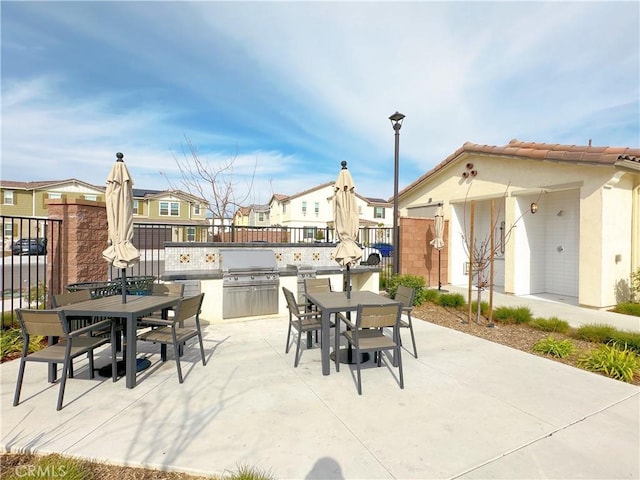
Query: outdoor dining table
x=335, y=302
x=137, y=306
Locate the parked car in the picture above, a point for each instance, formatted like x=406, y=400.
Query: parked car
x=386, y=249
x=29, y=246
x=371, y=255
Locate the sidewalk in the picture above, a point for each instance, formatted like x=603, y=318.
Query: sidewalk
x=470, y=409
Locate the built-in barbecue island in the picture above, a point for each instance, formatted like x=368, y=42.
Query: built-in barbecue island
x=244, y=280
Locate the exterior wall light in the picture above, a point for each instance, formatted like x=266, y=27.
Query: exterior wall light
x=534, y=207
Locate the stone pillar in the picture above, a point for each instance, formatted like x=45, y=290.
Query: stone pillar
x=83, y=237
x=418, y=257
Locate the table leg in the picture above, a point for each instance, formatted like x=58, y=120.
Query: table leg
x=53, y=367
x=325, y=341
x=130, y=352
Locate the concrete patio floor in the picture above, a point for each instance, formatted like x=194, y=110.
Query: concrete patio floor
x=470, y=409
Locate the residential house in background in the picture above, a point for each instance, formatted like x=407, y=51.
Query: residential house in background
x=173, y=215
x=312, y=210
x=566, y=217
x=253, y=215
x=155, y=207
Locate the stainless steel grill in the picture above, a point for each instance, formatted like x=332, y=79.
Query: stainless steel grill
x=303, y=272
x=250, y=281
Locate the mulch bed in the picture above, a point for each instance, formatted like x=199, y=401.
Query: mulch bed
x=521, y=337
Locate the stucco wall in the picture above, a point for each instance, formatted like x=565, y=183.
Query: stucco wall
x=596, y=201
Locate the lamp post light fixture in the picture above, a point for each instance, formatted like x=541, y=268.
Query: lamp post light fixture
x=396, y=123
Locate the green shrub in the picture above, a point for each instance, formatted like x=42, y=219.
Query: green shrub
x=245, y=472
x=9, y=319
x=431, y=295
x=597, y=333
x=37, y=294
x=412, y=281
x=455, y=300
x=554, y=347
x=484, y=308
x=553, y=324
x=613, y=361
x=11, y=342
x=512, y=315
x=628, y=308
x=630, y=339
x=635, y=286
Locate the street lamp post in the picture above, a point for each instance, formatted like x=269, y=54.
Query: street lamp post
x=396, y=123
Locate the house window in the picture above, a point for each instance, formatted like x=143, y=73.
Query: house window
x=284, y=208
x=196, y=209
x=261, y=217
x=8, y=197
x=304, y=208
x=191, y=234
x=316, y=208
x=55, y=196
x=378, y=212
x=169, y=209
x=309, y=232
x=136, y=207
x=93, y=198
x=8, y=229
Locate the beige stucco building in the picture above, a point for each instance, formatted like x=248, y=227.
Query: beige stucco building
x=583, y=240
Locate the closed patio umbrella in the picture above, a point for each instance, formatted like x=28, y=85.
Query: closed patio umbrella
x=346, y=222
x=438, y=241
x=121, y=252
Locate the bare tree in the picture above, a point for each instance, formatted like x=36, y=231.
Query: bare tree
x=214, y=182
x=481, y=252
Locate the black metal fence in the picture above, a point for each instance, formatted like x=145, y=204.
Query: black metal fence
x=25, y=243
x=150, y=240
x=24, y=272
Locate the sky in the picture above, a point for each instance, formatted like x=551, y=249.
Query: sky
x=285, y=91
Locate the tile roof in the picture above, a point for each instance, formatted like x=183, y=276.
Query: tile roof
x=312, y=189
x=44, y=184
x=279, y=197
x=50, y=184
x=584, y=154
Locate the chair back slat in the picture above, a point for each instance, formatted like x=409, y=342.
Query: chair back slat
x=405, y=296
x=292, y=305
x=48, y=323
x=317, y=285
x=189, y=307
x=168, y=289
x=378, y=316
x=68, y=298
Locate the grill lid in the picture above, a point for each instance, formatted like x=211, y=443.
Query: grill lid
x=247, y=260
x=303, y=268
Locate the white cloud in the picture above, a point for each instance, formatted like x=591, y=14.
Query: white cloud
x=300, y=86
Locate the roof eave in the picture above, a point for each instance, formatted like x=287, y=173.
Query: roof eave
x=630, y=166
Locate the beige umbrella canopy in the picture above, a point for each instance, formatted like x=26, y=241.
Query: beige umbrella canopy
x=346, y=222
x=121, y=253
x=438, y=241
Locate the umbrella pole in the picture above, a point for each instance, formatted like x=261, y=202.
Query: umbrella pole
x=123, y=277
x=439, y=284
x=348, y=282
